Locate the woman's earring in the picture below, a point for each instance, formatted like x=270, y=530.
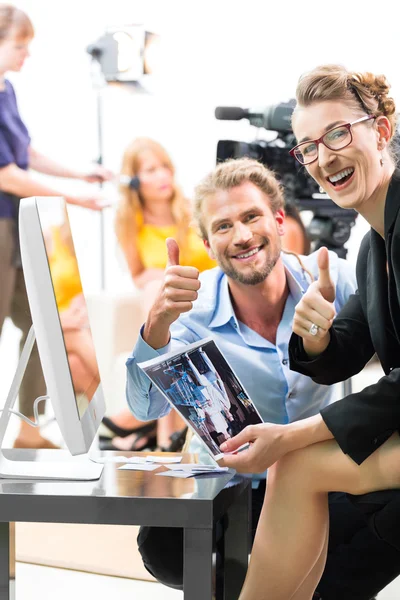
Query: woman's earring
x=381, y=148
x=321, y=190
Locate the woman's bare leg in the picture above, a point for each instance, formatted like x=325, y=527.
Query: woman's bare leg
x=81, y=376
x=79, y=342
x=294, y=521
x=166, y=426
x=290, y=538
x=125, y=419
x=308, y=587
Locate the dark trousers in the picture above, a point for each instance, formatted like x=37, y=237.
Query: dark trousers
x=14, y=304
x=359, y=565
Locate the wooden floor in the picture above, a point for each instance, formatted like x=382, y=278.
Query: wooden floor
x=46, y=583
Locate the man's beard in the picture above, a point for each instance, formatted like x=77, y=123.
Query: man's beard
x=257, y=275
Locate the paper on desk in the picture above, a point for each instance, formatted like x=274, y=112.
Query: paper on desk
x=180, y=474
x=164, y=459
x=196, y=467
x=118, y=459
x=108, y=459
x=186, y=474
x=191, y=470
x=139, y=467
x=136, y=459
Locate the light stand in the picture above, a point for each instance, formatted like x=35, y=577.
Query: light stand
x=100, y=162
x=99, y=84
x=123, y=54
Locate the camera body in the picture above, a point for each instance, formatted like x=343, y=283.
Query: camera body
x=330, y=225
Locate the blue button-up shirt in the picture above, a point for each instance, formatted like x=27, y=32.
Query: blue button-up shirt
x=280, y=395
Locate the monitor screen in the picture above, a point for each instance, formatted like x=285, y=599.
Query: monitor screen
x=70, y=301
x=60, y=320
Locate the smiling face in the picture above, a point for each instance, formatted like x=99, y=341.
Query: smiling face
x=14, y=49
x=243, y=233
x=352, y=175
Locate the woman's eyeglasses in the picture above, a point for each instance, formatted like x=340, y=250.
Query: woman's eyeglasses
x=334, y=139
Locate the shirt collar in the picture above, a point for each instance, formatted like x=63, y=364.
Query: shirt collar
x=295, y=276
x=298, y=280
x=223, y=312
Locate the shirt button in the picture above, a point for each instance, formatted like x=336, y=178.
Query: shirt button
x=285, y=361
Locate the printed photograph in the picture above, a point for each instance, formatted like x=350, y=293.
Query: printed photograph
x=202, y=386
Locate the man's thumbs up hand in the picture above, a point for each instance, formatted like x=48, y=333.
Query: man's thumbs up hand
x=180, y=285
x=177, y=293
x=315, y=312
x=325, y=282
x=172, y=252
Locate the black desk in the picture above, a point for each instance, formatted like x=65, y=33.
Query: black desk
x=138, y=498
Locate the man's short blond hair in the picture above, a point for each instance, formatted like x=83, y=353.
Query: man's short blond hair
x=231, y=174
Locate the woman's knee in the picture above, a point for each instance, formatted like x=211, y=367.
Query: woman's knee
x=324, y=467
x=308, y=468
x=381, y=469
x=298, y=465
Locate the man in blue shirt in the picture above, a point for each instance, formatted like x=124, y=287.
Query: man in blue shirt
x=247, y=304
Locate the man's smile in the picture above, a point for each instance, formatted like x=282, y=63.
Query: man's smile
x=248, y=254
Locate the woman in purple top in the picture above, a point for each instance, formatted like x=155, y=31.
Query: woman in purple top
x=16, y=157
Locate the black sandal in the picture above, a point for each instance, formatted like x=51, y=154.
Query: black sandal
x=122, y=431
x=145, y=432
x=177, y=441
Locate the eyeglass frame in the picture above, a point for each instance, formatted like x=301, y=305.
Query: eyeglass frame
x=321, y=139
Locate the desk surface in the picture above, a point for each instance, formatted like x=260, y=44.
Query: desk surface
x=118, y=497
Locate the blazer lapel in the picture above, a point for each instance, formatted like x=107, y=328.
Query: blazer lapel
x=377, y=300
x=392, y=239
x=394, y=300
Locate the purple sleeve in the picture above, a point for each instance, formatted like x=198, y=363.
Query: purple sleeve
x=6, y=156
x=14, y=136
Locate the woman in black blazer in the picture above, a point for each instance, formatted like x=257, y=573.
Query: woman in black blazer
x=344, y=123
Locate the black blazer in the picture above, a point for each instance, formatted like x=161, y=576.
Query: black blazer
x=368, y=323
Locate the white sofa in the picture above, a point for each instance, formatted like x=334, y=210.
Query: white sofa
x=115, y=319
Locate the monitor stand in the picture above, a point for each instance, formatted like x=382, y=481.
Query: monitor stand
x=72, y=468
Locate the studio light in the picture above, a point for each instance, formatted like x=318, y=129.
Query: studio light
x=126, y=53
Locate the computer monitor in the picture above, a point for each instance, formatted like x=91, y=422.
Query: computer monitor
x=45, y=234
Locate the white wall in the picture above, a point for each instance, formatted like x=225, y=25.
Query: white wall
x=220, y=52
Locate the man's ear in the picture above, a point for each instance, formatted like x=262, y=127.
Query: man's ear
x=280, y=221
x=384, y=130
x=208, y=248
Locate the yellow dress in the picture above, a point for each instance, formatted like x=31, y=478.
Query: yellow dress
x=153, y=252
x=64, y=271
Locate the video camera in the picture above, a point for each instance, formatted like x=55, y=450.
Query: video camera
x=330, y=225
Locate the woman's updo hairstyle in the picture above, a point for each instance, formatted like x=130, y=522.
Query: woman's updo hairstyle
x=364, y=92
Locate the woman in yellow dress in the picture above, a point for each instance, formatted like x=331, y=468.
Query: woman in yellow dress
x=73, y=311
x=152, y=208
